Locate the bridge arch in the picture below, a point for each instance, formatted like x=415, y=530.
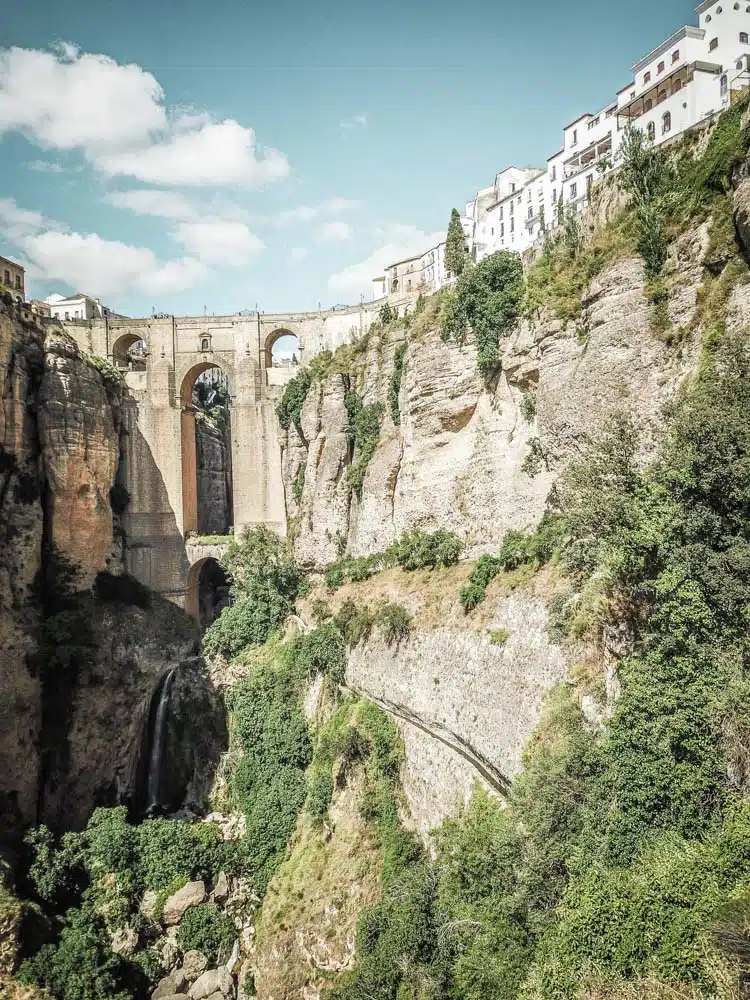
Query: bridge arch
x=188, y=443
x=272, y=340
x=207, y=590
x=130, y=351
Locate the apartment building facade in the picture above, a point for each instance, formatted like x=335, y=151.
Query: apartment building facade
x=12, y=278
x=691, y=76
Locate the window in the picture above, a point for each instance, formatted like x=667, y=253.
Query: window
x=530, y=212
x=573, y=191
x=554, y=197
x=662, y=96
x=512, y=207
x=648, y=105
x=739, y=64
x=719, y=10
x=724, y=85
x=647, y=78
x=519, y=199
x=528, y=195
x=589, y=182
x=502, y=230
x=205, y=345
x=18, y=281
x=610, y=112
x=408, y=285
x=67, y=315
x=677, y=85
x=7, y=277
x=666, y=123
x=513, y=225
x=676, y=56
x=708, y=18
x=713, y=44
x=660, y=68
x=743, y=37
x=575, y=137
x=501, y=211
x=513, y=189
x=492, y=231
x=651, y=131
x=553, y=175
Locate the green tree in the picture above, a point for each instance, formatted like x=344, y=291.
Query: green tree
x=455, y=246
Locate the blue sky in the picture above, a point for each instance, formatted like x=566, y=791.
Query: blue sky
x=230, y=153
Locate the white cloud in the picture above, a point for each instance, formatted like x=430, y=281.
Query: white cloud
x=219, y=241
x=306, y=213
x=45, y=167
x=298, y=253
x=402, y=242
x=335, y=232
x=92, y=264
x=212, y=154
x=150, y=201
x=356, y=121
x=108, y=267
x=116, y=116
x=65, y=99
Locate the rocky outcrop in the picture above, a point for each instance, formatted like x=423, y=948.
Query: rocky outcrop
x=213, y=460
x=456, y=460
x=70, y=735
x=177, y=905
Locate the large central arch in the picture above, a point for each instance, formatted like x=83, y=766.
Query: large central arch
x=188, y=445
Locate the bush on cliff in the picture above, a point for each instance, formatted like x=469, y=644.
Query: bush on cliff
x=487, y=300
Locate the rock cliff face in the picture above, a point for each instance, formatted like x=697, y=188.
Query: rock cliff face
x=456, y=459
x=67, y=736
x=213, y=459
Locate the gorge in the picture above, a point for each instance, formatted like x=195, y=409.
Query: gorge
x=459, y=707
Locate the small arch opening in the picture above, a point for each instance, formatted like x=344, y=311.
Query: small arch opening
x=207, y=591
x=283, y=349
x=130, y=352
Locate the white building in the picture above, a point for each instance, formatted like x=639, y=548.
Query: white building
x=78, y=306
x=688, y=78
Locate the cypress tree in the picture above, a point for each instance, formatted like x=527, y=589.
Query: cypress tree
x=455, y=249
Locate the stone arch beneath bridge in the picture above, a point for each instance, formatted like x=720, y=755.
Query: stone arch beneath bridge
x=130, y=351
x=206, y=591
x=273, y=337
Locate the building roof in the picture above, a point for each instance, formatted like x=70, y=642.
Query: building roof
x=558, y=153
x=7, y=260
x=586, y=114
x=704, y=6
x=685, y=32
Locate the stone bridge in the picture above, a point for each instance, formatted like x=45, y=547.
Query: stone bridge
x=159, y=446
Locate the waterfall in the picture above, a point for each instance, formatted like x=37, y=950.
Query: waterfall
x=157, y=744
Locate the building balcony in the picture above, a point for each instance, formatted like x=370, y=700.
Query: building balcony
x=664, y=88
x=588, y=157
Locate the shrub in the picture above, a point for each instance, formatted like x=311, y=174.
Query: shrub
x=528, y=405
x=299, y=483
x=499, y=636
x=206, y=929
x=418, y=550
x=535, y=460
x=394, y=387
x=395, y=622
x=487, y=299
x=354, y=622
x=484, y=572
x=365, y=432
x=319, y=652
x=289, y=410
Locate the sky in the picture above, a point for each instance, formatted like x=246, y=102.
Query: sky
x=232, y=155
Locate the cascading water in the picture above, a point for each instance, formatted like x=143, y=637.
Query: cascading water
x=153, y=786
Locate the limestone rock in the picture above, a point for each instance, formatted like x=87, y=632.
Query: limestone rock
x=220, y=892
x=194, y=964
x=148, y=904
x=180, y=902
x=171, y=985
x=214, y=981
x=124, y=941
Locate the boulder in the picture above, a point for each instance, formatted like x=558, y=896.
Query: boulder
x=124, y=941
x=148, y=904
x=214, y=981
x=168, y=987
x=742, y=212
x=180, y=902
x=221, y=889
x=194, y=964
